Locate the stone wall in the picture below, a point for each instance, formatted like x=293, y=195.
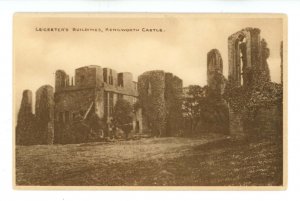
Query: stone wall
x=71, y=106
x=25, y=128
x=266, y=123
x=173, y=100
x=236, y=126
x=254, y=100
x=88, y=76
x=160, y=96
x=215, y=80
x=61, y=80
x=96, y=90
x=214, y=66
x=44, y=111
x=245, y=58
x=151, y=89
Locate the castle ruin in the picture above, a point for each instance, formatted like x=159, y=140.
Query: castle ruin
x=255, y=102
x=44, y=111
x=247, y=55
x=160, y=100
x=94, y=92
x=215, y=79
x=68, y=114
x=36, y=128
x=24, y=128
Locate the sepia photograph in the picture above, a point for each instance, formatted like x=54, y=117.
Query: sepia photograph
x=149, y=101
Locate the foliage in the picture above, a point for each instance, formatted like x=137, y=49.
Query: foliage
x=151, y=87
x=204, y=106
x=122, y=115
x=193, y=104
x=248, y=101
x=217, y=84
x=137, y=105
x=265, y=94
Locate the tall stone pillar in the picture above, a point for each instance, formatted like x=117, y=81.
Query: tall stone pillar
x=44, y=110
x=25, y=121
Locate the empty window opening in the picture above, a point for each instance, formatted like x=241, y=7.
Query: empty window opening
x=120, y=80
x=105, y=75
x=110, y=77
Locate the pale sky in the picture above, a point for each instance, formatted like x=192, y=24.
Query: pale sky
x=181, y=49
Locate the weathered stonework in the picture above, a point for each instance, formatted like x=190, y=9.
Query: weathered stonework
x=236, y=126
x=268, y=122
x=61, y=80
x=26, y=122
x=246, y=62
x=254, y=100
x=44, y=111
x=95, y=91
x=214, y=66
x=160, y=96
x=215, y=79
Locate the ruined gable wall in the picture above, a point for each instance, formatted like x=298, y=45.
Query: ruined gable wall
x=251, y=38
x=256, y=73
x=251, y=66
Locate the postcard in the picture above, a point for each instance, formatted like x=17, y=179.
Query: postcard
x=150, y=101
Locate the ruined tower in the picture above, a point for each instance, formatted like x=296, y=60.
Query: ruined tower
x=215, y=78
x=214, y=65
x=61, y=80
x=247, y=64
x=44, y=111
x=25, y=122
x=160, y=98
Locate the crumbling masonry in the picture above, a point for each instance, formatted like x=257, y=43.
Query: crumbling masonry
x=70, y=114
x=94, y=93
x=36, y=128
x=247, y=55
x=44, y=111
x=160, y=96
x=216, y=114
x=24, y=129
x=255, y=102
x=215, y=79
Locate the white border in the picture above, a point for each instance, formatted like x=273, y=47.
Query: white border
x=7, y=8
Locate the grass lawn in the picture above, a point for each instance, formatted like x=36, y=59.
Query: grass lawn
x=174, y=161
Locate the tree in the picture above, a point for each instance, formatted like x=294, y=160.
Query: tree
x=122, y=116
x=193, y=104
